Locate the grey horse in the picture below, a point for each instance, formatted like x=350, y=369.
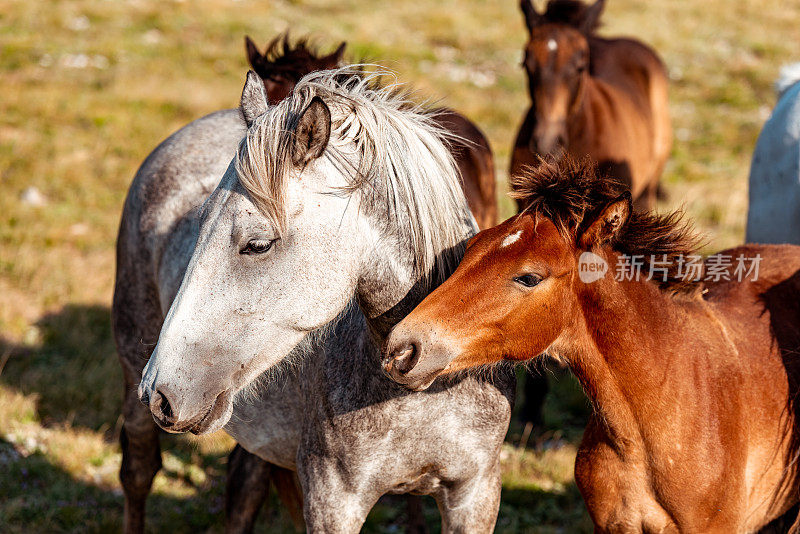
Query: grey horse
x=774, y=208
x=271, y=294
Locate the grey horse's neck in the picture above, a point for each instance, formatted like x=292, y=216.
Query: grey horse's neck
x=402, y=291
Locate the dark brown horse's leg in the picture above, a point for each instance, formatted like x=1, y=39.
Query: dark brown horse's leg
x=246, y=490
x=416, y=519
x=141, y=459
x=536, y=389
x=290, y=493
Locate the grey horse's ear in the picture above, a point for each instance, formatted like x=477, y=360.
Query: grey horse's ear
x=531, y=16
x=313, y=132
x=254, y=98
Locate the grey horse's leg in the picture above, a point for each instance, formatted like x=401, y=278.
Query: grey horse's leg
x=141, y=459
x=335, y=512
x=329, y=506
x=471, y=506
x=246, y=490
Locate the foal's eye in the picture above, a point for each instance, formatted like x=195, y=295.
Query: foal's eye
x=257, y=246
x=528, y=280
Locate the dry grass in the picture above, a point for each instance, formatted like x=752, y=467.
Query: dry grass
x=89, y=88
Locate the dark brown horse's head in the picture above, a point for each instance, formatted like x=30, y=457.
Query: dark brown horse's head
x=557, y=63
x=523, y=285
x=283, y=64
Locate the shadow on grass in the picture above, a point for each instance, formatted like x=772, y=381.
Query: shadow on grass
x=539, y=511
x=72, y=368
x=528, y=510
x=38, y=496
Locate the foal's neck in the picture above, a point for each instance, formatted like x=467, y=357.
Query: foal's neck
x=631, y=349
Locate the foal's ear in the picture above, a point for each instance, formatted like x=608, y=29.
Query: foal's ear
x=312, y=133
x=591, y=17
x=254, y=98
x=608, y=223
x=253, y=55
x=532, y=18
x=332, y=60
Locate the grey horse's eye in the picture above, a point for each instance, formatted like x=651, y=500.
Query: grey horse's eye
x=257, y=246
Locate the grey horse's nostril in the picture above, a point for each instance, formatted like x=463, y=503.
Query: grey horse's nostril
x=406, y=359
x=164, y=406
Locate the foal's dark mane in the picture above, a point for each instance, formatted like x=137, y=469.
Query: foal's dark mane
x=569, y=12
x=571, y=194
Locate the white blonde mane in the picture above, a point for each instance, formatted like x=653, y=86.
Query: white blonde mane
x=401, y=163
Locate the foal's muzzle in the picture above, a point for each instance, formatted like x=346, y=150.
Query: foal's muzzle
x=401, y=362
x=412, y=361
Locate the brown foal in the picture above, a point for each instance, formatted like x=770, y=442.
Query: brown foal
x=693, y=378
x=282, y=65
x=602, y=98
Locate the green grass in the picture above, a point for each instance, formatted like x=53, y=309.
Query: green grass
x=89, y=88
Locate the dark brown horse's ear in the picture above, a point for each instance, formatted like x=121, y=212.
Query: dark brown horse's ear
x=313, y=132
x=608, y=223
x=591, y=17
x=532, y=18
x=331, y=61
x=254, y=98
x=253, y=55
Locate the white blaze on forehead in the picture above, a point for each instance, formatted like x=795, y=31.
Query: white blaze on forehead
x=552, y=45
x=510, y=239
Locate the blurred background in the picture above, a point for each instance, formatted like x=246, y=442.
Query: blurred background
x=89, y=88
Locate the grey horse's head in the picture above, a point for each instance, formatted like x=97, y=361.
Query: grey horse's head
x=334, y=190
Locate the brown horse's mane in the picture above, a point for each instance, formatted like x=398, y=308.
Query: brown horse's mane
x=571, y=194
x=293, y=60
x=570, y=12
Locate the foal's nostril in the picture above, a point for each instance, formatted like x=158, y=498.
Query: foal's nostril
x=406, y=359
x=164, y=406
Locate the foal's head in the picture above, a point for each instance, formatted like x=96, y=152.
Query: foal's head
x=520, y=285
x=557, y=63
x=283, y=64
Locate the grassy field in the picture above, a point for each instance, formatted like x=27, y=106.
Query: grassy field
x=88, y=88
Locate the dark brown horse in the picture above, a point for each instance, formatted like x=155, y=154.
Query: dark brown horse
x=693, y=372
x=283, y=64
x=596, y=97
